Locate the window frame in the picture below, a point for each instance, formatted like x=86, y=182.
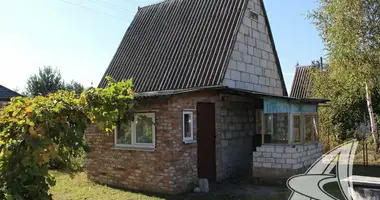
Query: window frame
x=134, y=143
x=261, y=112
x=314, y=116
x=191, y=138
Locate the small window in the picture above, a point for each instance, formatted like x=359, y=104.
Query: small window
x=141, y=132
x=254, y=15
x=187, y=126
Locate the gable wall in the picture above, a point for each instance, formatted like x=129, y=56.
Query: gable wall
x=252, y=65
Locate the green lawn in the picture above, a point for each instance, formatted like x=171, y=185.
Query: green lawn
x=79, y=187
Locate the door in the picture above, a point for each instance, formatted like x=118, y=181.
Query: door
x=206, y=140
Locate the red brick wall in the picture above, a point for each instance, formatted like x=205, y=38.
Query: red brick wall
x=171, y=168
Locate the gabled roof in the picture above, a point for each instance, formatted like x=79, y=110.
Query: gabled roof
x=302, y=82
x=6, y=94
x=178, y=44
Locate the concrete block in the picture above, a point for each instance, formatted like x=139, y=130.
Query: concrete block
x=235, y=75
x=264, y=37
x=257, y=164
x=264, y=63
x=271, y=57
x=247, y=58
x=250, y=50
x=265, y=55
x=271, y=90
x=256, y=61
x=267, y=80
x=279, y=149
x=273, y=81
x=257, y=88
x=251, y=41
x=253, y=78
x=290, y=150
x=257, y=154
x=257, y=53
x=240, y=38
x=229, y=83
x=236, y=55
x=244, y=29
x=270, y=160
x=251, y=69
x=254, y=25
x=286, y=155
x=240, y=85
x=228, y=74
x=256, y=34
x=241, y=66
x=247, y=22
x=297, y=166
x=269, y=149
x=249, y=86
x=276, y=155
x=261, y=160
x=244, y=77
x=265, y=89
x=251, y=5
x=267, y=165
x=291, y=161
x=267, y=155
x=232, y=64
x=280, y=160
x=224, y=143
x=261, y=80
x=260, y=45
x=295, y=155
x=242, y=47
x=261, y=27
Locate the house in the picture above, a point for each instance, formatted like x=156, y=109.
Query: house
x=208, y=75
x=6, y=95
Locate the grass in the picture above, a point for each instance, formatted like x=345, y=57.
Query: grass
x=79, y=187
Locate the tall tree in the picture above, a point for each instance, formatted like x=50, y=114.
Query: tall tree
x=350, y=30
x=49, y=80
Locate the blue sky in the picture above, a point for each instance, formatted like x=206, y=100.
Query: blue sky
x=79, y=37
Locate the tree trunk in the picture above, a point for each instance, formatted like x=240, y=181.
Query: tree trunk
x=372, y=117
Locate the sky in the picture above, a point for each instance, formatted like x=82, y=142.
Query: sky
x=80, y=37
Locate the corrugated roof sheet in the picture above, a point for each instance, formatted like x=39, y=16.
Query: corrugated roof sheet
x=177, y=44
x=301, y=87
x=6, y=94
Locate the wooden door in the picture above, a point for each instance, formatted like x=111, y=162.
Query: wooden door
x=206, y=140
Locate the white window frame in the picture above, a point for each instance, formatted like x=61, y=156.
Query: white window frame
x=134, y=143
x=191, y=138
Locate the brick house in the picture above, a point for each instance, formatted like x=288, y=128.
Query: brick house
x=6, y=95
x=207, y=73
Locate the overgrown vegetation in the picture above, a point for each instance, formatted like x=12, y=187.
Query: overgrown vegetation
x=35, y=130
x=350, y=30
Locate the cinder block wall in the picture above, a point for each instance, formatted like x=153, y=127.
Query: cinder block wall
x=284, y=161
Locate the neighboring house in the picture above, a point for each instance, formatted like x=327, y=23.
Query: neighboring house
x=207, y=73
x=302, y=82
x=6, y=95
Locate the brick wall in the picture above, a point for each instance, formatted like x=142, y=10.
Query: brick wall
x=172, y=167
x=252, y=65
x=283, y=161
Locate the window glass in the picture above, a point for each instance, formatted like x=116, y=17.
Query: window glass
x=297, y=128
x=268, y=120
x=144, y=132
x=187, y=125
x=124, y=134
x=309, y=128
x=280, y=128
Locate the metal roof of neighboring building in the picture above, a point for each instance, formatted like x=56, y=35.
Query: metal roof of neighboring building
x=301, y=87
x=178, y=44
x=6, y=94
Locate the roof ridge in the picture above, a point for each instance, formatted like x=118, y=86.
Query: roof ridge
x=153, y=4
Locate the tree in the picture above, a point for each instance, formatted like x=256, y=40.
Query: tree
x=350, y=30
x=32, y=131
x=49, y=80
x=46, y=81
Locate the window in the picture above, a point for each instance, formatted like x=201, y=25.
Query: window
x=141, y=133
x=297, y=128
x=187, y=126
x=276, y=128
x=311, y=126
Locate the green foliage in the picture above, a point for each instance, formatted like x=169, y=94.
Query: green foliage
x=350, y=30
x=49, y=80
x=35, y=130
